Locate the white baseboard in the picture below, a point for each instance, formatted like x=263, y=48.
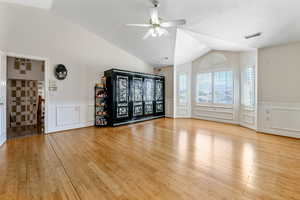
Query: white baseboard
x=280, y=133
x=2, y=139
x=170, y=116
x=70, y=127
x=183, y=117
x=248, y=126
x=216, y=120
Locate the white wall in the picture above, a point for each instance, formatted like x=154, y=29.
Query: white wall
x=30, y=31
x=188, y=47
x=278, y=74
x=278, y=90
x=216, y=60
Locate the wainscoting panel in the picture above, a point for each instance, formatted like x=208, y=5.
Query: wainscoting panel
x=66, y=117
x=169, y=107
x=183, y=111
x=248, y=117
x=91, y=113
x=214, y=113
x=280, y=118
x=291, y=121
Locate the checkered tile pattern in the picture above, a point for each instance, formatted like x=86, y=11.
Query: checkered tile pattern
x=41, y=88
x=23, y=102
x=23, y=65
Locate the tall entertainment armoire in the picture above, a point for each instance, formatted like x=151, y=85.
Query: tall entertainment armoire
x=134, y=96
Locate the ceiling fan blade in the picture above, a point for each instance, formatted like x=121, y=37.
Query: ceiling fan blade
x=173, y=23
x=148, y=34
x=139, y=25
x=161, y=31
x=165, y=32
x=154, y=15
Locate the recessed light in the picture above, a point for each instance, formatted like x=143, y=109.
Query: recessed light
x=253, y=35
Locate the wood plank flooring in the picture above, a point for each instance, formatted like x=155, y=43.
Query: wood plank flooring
x=159, y=159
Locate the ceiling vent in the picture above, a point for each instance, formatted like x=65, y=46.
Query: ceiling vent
x=253, y=35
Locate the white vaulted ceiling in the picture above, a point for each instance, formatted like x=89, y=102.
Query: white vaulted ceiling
x=216, y=24
x=44, y=4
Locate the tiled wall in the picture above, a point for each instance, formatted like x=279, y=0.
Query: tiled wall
x=23, y=100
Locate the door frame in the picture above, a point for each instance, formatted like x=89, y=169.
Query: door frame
x=3, y=136
x=46, y=78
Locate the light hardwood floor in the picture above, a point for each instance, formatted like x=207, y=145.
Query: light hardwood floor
x=159, y=159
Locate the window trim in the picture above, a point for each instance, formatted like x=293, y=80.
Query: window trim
x=187, y=89
x=213, y=71
x=242, y=75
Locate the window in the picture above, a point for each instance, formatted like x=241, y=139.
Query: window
x=183, y=96
x=204, y=88
x=215, y=87
x=248, y=87
x=223, y=87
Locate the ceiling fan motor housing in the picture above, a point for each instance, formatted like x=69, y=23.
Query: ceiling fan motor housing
x=155, y=3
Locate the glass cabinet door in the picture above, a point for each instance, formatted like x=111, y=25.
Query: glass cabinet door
x=159, y=96
x=122, y=96
x=137, y=96
x=148, y=96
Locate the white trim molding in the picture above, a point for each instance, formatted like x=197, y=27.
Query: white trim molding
x=46, y=78
x=2, y=139
x=3, y=102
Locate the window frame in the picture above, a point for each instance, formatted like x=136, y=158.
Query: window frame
x=187, y=88
x=243, y=76
x=197, y=88
x=213, y=71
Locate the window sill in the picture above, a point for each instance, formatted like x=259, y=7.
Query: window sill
x=228, y=106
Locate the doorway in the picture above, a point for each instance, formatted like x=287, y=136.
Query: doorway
x=25, y=110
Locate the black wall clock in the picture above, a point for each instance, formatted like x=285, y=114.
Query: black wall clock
x=60, y=72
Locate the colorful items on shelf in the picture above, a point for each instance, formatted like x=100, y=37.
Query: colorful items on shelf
x=101, y=104
x=101, y=121
x=101, y=93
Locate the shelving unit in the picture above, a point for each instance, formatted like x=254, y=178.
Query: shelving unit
x=100, y=106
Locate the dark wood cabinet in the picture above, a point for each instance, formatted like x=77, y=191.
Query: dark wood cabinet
x=134, y=96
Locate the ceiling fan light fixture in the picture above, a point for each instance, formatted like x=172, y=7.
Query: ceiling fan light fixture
x=159, y=31
x=153, y=32
x=157, y=27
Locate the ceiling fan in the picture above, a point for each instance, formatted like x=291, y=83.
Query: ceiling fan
x=157, y=26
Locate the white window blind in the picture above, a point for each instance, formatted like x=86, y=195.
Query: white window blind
x=204, y=88
x=223, y=87
x=215, y=87
x=183, y=88
x=248, y=87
